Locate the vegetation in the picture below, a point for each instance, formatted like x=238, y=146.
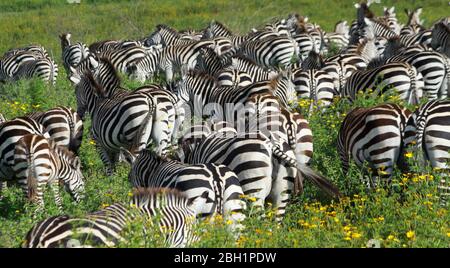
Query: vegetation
x=406, y=216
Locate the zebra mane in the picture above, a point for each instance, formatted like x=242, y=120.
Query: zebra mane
x=142, y=196
x=65, y=39
x=109, y=80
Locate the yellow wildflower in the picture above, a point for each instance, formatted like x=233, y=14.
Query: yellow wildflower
x=410, y=234
x=409, y=155
x=356, y=235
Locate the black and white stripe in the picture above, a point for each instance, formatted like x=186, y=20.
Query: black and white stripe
x=440, y=38
x=72, y=54
x=39, y=162
x=316, y=85
x=169, y=210
x=373, y=136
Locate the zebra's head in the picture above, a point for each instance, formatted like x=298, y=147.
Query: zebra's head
x=86, y=92
x=76, y=183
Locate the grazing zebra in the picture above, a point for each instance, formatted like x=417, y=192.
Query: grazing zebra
x=64, y=126
x=221, y=183
x=400, y=76
x=169, y=210
x=340, y=37
x=231, y=77
x=427, y=131
x=39, y=161
x=169, y=59
x=72, y=54
x=121, y=119
x=440, y=38
x=45, y=69
x=373, y=135
x=10, y=132
x=316, y=85
x=270, y=52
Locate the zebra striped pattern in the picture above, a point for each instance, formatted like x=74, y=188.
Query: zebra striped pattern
x=440, y=38
x=72, y=54
x=169, y=210
x=316, y=85
x=374, y=136
x=45, y=69
x=38, y=162
x=230, y=77
x=64, y=126
x=221, y=183
x=400, y=76
x=125, y=120
x=427, y=132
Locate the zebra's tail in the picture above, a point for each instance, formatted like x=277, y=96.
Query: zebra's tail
x=137, y=142
x=415, y=88
x=32, y=183
x=308, y=173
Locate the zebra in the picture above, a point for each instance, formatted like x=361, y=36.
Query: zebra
x=340, y=37
x=72, y=54
x=89, y=64
x=45, y=69
x=414, y=24
x=166, y=36
x=390, y=19
x=10, y=132
x=122, y=56
x=36, y=50
x=249, y=155
x=231, y=77
x=169, y=59
x=167, y=209
x=119, y=120
x=9, y=64
x=433, y=66
x=401, y=76
x=305, y=44
x=316, y=85
x=216, y=29
x=248, y=66
x=39, y=162
x=208, y=62
x=313, y=61
x=426, y=132
x=270, y=52
x=373, y=135
x=440, y=38
x=223, y=187
x=63, y=124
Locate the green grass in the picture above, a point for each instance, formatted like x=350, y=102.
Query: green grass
x=312, y=220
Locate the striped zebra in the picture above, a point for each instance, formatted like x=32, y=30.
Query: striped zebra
x=414, y=24
x=45, y=69
x=440, y=38
x=36, y=50
x=248, y=66
x=316, y=85
x=122, y=56
x=374, y=136
x=216, y=29
x=270, y=52
x=221, y=183
x=231, y=77
x=433, y=66
x=250, y=155
x=63, y=124
x=72, y=54
x=89, y=64
x=169, y=60
x=313, y=61
x=168, y=210
x=39, y=162
x=208, y=62
x=9, y=64
x=427, y=132
x=166, y=36
x=10, y=132
x=400, y=76
x=119, y=120
x=390, y=19
x=305, y=43
x=340, y=37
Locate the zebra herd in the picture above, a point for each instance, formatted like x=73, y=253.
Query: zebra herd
x=250, y=143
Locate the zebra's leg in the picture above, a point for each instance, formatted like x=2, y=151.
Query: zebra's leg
x=282, y=189
x=169, y=74
x=160, y=131
x=444, y=190
x=55, y=189
x=107, y=159
x=3, y=185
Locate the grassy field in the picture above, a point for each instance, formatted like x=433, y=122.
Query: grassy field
x=408, y=216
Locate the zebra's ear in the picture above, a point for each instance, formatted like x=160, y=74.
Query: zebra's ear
x=357, y=5
x=197, y=203
x=128, y=156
